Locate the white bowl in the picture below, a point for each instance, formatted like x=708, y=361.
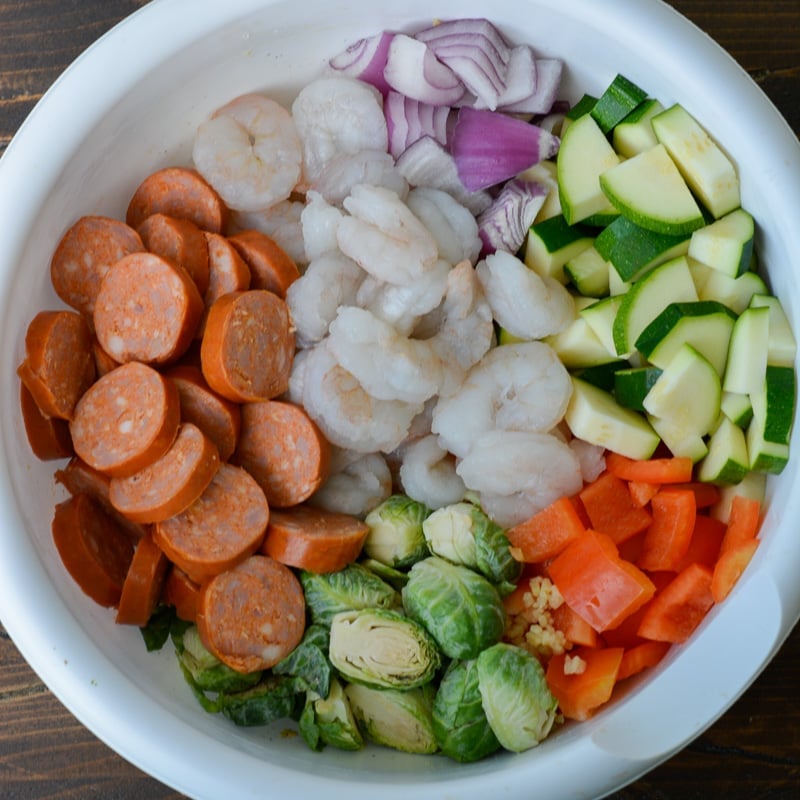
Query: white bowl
x=130, y=105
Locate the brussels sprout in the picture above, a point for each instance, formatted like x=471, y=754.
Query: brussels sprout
x=515, y=696
x=330, y=721
x=459, y=721
x=349, y=589
x=459, y=608
x=394, y=718
x=382, y=648
x=394, y=577
x=308, y=662
x=395, y=533
x=208, y=673
x=275, y=697
x=159, y=627
x=464, y=534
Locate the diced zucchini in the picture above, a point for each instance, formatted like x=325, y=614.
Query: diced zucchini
x=736, y=293
x=583, y=155
x=704, y=324
x=601, y=376
x=600, y=317
x=583, y=106
x=647, y=298
x=544, y=172
x=634, y=251
x=726, y=244
x=747, y=356
x=773, y=405
x=649, y=190
x=708, y=171
x=594, y=416
x=737, y=408
x=619, y=99
x=782, y=347
x=727, y=461
x=753, y=485
x=577, y=346
x=634, y=134
x=588, y=272
x=765, y=456
x=616, y=286
x=632, y=385
x=552, y=243
x=679, y=441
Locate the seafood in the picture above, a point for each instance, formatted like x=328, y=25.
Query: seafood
x=319, y=222
x=358, y=482
x=346, y=170
x=281, y=222
x=428, y=473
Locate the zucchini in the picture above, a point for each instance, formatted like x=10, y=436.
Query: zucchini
x=619, y=99
x=635, y=134
x=747, y=355
x=708, y=171
x=727, y=461
x=773, y=405
x=544, y=172
x=551, y=243
x=753, y=485
x=588, y=272
x=736, y=293
x=631, y=385
x=726, y=244
x=679, y=441
x=782, y=347
x=648, y=189
x=578, y=346
x=600, y=318
x=601, y=376
x=737, y=408
x=769, y=457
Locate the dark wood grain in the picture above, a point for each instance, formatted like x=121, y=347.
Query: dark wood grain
x=752, y=752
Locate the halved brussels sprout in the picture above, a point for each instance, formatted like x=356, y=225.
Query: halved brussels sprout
x=459, y=721
x=394, y=718
x=461, y=609
x=308, y=662
x=382, y=648
x=330, y=721
x=349, y=589
x=274, y=698
x=515, y=696
x=395, y=533
x=392, y=576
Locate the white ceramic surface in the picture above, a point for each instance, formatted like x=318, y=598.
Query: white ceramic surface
x=128, y=106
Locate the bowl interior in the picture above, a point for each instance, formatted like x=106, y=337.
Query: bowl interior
x=129, y=106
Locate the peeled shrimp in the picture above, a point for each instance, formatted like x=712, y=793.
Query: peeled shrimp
x=346, y=170
x=357, y=483
x=319, y=222
x=428, y=473
x=517, y=473
x=518, y=387
x=384, y=237
x=388, y=365
x=337, y=115
x=250, y=152
x=294, y=394
x=524, y=303
x=347, y=415
x=330, y=281
x=591, y=457
x=452, y=225
x=280, y=222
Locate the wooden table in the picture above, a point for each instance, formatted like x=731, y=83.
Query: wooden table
x=752, y=752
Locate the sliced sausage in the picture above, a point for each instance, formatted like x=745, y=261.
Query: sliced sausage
x=284, y=450
x=126, y=420
x=59, y=361
x=220, y=529
x=102, y=361
x=252, y=616
x=172, y=483
x=271, y=267
x=227, y=272
x=77, y=477
x=314, y=539
x=217, y=417
x=83, y=256
x=178, y=192
x=147, y=310
x=143, y=584
x=182, y=593
x=48, y=436
x=93, y=549
x=248, y=346
x=178, y=240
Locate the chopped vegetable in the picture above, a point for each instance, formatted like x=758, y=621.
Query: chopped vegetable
x=395, y=535
x=669, y=534
x=547, y=532
x=612, y=510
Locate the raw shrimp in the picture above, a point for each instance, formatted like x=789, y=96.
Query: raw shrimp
x=452, y=225
x=384, y=237
x=337, y=115
x=358, y=482
x=250, y=152
x=388, y=365
x=348, y=416
x=294, y=394
x=428, y=473
x=464, y=329
x=403, y=306
x=330, y=281
x=346, y=170
x=319, y=223
x=281, y=222
x=519, y=387
x=517, y=473
x=524, y=303
x=591, y=457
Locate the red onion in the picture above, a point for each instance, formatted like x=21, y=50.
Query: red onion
x=366, y=60
x=504, y=224
x=548, y=83
x=520, y=76
x=408, y=120
x=490, y=147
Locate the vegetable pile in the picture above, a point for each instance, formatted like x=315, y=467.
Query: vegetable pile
x=425, y=627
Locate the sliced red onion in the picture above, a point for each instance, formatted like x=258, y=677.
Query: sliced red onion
x=520, y=76
x=366, y=60
x=490, y=147
x=408, y=120
x=413, y=70
x=461, y=27
x=504, y=224
x=548, y=84
x=427, y=163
